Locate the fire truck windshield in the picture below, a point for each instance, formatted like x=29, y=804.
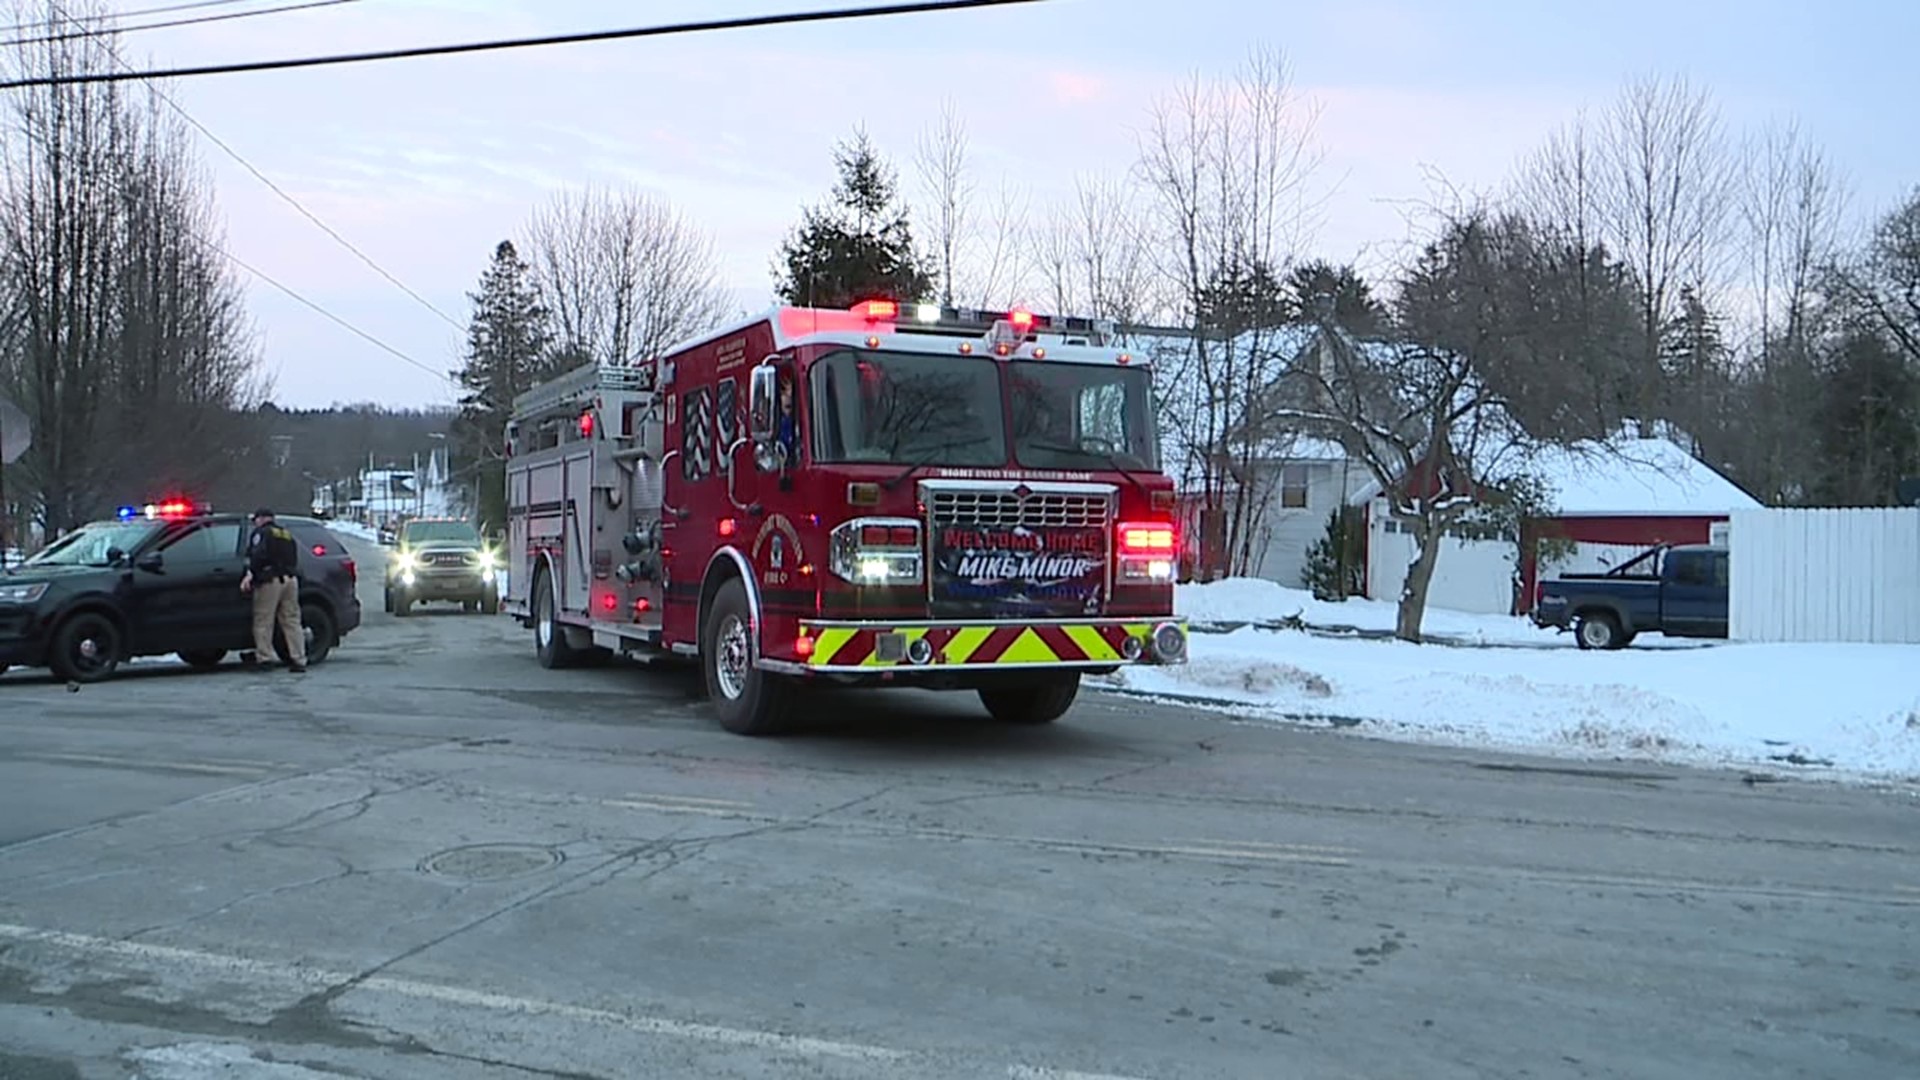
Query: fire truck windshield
x=896, y=408
x=1081, y=416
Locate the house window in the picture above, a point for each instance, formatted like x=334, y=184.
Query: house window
x=1293, y=487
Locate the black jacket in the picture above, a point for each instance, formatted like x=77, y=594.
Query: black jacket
x=272, y=553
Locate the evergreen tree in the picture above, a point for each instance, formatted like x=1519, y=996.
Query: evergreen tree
x=1355, y=309
x=509, y=349
x=1695, y=365
x=1867, y=431
x=1337, y=562
x=859, y=246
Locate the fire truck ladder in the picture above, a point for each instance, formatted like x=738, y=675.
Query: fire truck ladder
x=582, y=385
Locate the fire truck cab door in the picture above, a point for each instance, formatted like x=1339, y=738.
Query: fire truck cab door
x=576, y=574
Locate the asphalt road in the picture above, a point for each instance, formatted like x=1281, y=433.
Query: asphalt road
x=430, y=858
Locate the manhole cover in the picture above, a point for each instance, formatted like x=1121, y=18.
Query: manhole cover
x=492, y=862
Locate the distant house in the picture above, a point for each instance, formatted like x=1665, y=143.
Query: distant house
x=1611, y=500
x=1615, y=502
x=1302, y=479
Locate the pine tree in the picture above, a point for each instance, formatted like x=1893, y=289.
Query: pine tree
x=509, y=349
x=1337, y=562
x=1694, y=359
x=859, y=246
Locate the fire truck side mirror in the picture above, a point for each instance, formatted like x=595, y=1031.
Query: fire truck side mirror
x=764, y=403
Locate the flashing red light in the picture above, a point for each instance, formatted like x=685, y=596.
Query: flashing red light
x=1003, y=349
x=878, y=310
x=889, y=535
x=873, y=342
x=803, y=646
x=586, y=425
x=174, y=508
x=609, y=602
x=642, y=606
x=1147, y=538
x=1021, y=320
x=319, y=550
x=728, y=527
x=1039, y=354
x=966, y=348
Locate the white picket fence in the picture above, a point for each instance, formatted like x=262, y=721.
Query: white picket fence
x=1824, y=575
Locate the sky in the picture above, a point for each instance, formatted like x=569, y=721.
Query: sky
x=425, y=165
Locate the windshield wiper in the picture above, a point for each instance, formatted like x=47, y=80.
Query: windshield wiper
x=930, y=456
x=1112, y=459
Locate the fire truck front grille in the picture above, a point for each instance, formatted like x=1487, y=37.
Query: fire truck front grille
x=1005, y=509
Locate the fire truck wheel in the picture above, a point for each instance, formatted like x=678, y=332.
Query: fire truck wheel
x=549, y=637
x=1041, y=701
x=749, y=701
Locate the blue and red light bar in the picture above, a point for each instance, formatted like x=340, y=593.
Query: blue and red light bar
x=166, y=510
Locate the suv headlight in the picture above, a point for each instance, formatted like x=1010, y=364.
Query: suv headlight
x=22, y=594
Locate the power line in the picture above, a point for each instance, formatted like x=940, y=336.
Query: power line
x=290, y=291
x=110, y=28
x=20, y=28
x=114, y=50
x=748, y=22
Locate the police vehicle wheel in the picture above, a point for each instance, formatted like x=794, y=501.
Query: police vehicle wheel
x=549, y=636
x=490, y=604
x=1040, y=702
x=749, y=701
x=203, y=659
x=389, y=599
x=86, y=648
x=321, y=635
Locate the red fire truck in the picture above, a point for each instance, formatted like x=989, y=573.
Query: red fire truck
x=894, y=495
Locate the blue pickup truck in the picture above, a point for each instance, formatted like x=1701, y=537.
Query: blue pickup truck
x=1679, y=591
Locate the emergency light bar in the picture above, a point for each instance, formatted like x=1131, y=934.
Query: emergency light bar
x=936, y=318
x=165, y=511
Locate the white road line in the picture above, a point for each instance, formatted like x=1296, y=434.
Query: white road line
x=1037, y=1072
x=671, y=808
x=224, y=965
x=238, y=768
x=1318, y=849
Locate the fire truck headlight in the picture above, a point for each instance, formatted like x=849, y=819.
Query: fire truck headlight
x=1146, y=571
x=875, y=569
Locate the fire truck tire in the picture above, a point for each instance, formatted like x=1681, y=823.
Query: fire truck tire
x=749, y=701
x=549, y=636
x=1041, y=701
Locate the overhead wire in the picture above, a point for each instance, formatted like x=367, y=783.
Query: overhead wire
x=63, y=19
x=173, y=103
x=415, y=52
x=110, y=28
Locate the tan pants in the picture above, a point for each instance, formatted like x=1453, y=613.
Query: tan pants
x=278, y=602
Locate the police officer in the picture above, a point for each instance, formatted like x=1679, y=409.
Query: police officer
x=273, y=578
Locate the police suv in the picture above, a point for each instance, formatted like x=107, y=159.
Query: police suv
x=158, y=580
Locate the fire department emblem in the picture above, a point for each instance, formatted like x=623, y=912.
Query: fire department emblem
x=777, y=543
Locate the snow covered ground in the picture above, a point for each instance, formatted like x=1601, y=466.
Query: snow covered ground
x=1841, y=710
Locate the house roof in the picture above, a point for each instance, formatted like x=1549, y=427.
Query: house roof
x=1633, y=476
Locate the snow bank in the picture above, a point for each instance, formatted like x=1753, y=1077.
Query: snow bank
x=1255, y=601
x=1852, y=708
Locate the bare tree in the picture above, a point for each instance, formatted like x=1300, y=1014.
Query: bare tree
x=940, y=161
x=1650, y=182
x=1790, y=207
x=624, y=275
x=130, y=348
x=1420, y=412
x=1666, y=201
x=1228, y=164
x=1092, y=258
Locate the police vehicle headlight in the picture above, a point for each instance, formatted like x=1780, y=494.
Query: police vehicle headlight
x=23, y=594
x=489, y=561
x=406, y=562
